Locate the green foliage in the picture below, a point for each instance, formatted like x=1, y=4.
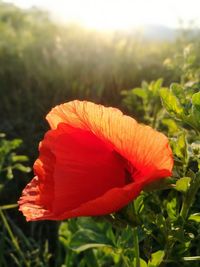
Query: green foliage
x=156, y=258
x=171, y=103
x=183, y=184
x=195, y=217
x=9, y=160
x=43, y=64
x=148, y=101
x=16, y=248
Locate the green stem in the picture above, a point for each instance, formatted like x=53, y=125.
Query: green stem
x=10, y=206
x=194, y=258
x=190, y=196
x=125, y=260
x=136, y=246
x=168, y=249
x=14, y=241
x=12, y=237
x=155, y=114
x=184, y=208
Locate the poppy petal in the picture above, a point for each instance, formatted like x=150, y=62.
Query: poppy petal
x=74, y=167
x=146, y=149
x=94, y=161
x=111, y=201
x=29, y=202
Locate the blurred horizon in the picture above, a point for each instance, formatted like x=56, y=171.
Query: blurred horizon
x=123, y=15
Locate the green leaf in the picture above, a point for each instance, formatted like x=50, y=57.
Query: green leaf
x=196, y=100
x=171, y=103
x=140, y=92
x=89, y=246
x=176, y=88
x=171, y=205
x=194, y=217
x=180, y=147
x=21, y=167
x=15, y=143
x=91, y=259
x=183, y=184
x=171, y=125
x=155, y=86
x=142, y=263
x=20, y=158
x=64, y=234
x=85, y=239
x=9, y=173
x=156, y=258
x=178, y=91
x=195, y=111
x=139, y=203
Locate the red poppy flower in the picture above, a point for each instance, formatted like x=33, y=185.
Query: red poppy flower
x=93, y=161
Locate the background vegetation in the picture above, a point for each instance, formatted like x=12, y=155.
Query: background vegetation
x=43, y=64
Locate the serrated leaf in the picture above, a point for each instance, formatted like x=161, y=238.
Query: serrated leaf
x=171, y=103
x=183, y=184
x=156, y=258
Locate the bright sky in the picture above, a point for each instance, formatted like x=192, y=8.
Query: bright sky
x=119, y=14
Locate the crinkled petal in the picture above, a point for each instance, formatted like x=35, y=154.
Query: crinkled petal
x=30, y=204
x=146, y=149
x=94, y=161
x=74, y=167
x=109, y=202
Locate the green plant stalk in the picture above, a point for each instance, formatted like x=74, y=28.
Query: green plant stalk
x=155, y=115
x=168, y=249
x=136, y=246
x=188, y=200
x=15, y=243
x=14, y=240
x=194, y=258
x=125, y=261
x=190, y=196
x=10, y=206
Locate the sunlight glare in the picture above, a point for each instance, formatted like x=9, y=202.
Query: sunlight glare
x=118, y=14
